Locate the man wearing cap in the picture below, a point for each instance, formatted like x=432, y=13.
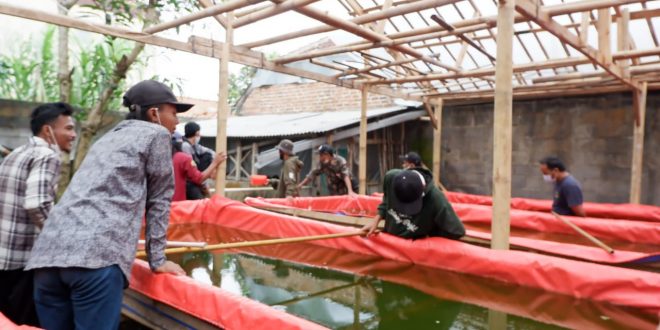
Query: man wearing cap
x=413, y=207
x=411, y=160
x=82, y=259
x=290, y=175
x=336, y=171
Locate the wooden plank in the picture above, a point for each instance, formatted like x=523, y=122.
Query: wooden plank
x=255, y=151
x=223, y=106
x=601, y=58
x=584, y=27
x=637, y=168
x=362, y=170
x=502, y=127
x=437, y=141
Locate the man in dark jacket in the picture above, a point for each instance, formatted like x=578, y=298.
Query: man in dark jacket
x=290, y=175
x=413, y=207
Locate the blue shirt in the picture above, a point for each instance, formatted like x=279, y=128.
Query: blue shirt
x=567, y=194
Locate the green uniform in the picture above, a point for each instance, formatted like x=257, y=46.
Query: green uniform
x=289, y=178
x=437, y=217
x=335, y=173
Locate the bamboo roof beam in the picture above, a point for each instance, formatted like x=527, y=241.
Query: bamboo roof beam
x=491, y=21
x=367, y=18
x=366, y=34
x=565, y=62
x=271, y=11
x=195, y=45
x=206, y=12
x=208, y=4
x=541, y=17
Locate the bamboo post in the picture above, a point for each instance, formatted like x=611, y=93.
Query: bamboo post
x=623, y=34
x=363, y=142
x=437, y=141
x=225, y=246
x=238, y=164
x=223, y=105
x=603, y=26
x=581, y=231
x=502, y=127
x=637, y=167
x=255, y=151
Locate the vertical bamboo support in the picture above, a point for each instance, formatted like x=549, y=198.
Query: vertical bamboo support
x=223, y=105
x=363, y=142
x=623, y=34
x=437, y=140
x=239, y=163
x=603, y=27
x=502, y=136
x=255, y=151
x=637, y=168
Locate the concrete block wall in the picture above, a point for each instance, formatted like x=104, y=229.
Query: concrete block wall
x=591, y=134
x=307, y=97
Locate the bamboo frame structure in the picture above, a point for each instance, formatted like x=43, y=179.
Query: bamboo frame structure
x=404, y=54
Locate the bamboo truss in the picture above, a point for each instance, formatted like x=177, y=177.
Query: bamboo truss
x=422, y=60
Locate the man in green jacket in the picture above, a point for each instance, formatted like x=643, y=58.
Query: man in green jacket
x=290, y=175
x=413, y=207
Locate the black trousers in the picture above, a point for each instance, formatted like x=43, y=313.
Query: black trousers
x=16, y=296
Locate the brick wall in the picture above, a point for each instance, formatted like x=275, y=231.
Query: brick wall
x=307, y=97
x=593, y=135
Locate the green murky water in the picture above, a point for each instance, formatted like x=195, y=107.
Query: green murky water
x=341, y=290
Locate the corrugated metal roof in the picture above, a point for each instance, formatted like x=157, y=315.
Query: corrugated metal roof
x=289, y=124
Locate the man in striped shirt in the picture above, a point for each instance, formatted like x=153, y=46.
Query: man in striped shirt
x=28, y=179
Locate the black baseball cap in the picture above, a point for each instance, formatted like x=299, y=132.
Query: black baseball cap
x=326, y=149
x=413, y=158
x=150, y=92
x=408, y=192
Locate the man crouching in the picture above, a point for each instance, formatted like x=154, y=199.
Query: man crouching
x=413, y=207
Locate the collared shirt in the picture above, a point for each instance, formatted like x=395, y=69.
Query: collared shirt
x=28, y=181
x=335, y=173
x=97, y=221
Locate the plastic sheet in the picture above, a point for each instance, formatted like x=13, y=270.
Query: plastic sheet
x=594, y=210
x=628, y=231
x=618, y=286
x=551, y=308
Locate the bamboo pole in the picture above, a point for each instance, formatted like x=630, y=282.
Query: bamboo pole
x=363, y=142
x=623, y=34
x=637, y=167
x=225, y=246
x=207, y=12
x=179, y=244
x=581, y=231
x=437, y=142
x=271, y=11
x=502, y=127
x=223, y=105
x=603, y=27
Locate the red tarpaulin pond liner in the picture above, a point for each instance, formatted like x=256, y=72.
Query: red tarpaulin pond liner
x=621, y=230
x=624, y=287
x=551, y=308
x=593, y=210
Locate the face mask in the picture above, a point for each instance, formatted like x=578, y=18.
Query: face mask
x=548, y=178
x=54, y=146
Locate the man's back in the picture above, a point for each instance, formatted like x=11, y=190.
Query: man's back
x=28, y=177
x=567, y=194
